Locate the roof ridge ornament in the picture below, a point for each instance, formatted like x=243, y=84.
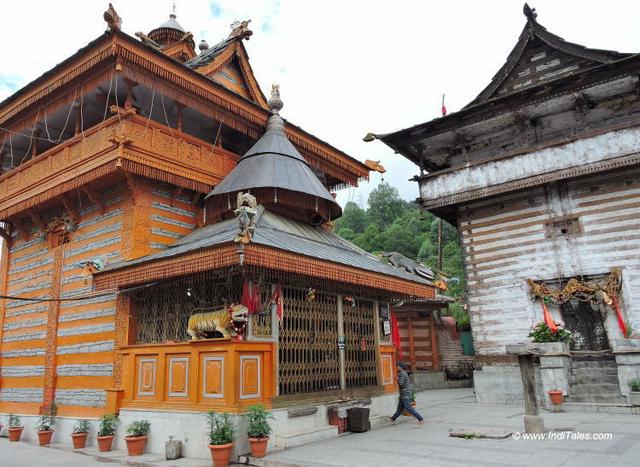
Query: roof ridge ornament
x=530, y=13
x=114, y=21
x=240, y=30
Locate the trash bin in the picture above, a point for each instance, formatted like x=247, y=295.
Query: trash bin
x=358, y=420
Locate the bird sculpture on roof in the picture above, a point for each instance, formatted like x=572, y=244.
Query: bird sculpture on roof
x=375, y=165
x=113, y=19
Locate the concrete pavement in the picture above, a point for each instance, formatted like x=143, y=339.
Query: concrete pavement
x=408, y=444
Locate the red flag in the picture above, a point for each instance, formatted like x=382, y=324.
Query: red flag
x=395, y=335
x=444, y=109
x=621, y=324
x=250, y=297
x=548, y=319
x=277, y=300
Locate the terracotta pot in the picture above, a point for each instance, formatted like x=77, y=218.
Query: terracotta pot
x=136, y=444
x=104, y=443
x=556, y=396
x=44, y=437
x=407, y=414
x=258, y=446
x=15, y=433
x=79, y=440
x=221, y=454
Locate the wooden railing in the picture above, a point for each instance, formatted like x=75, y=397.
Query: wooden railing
x=92, y=154
x=214, y=374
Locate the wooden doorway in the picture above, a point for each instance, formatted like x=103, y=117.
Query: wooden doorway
x=585, y=320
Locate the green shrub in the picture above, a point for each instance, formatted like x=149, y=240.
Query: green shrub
x=541, y=333
x=258, y=422
x=220, y=428
x=81, y=426
x=634, y=384
x=138, y=428
x=14, y=421
x=108, y=424
x=48, y=419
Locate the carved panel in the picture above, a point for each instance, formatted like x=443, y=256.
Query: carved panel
x=249, y=376
x=178, y=376
x=213, y=377
x=147, y=376
x=387, y=369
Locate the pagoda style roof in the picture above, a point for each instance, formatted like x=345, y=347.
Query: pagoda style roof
x=540, y=56
x=274, y=164
x=281, y=234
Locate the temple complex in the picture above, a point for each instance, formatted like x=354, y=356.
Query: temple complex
x=541, y=174
x=168, y=249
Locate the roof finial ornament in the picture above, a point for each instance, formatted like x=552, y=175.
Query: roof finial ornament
x=275, y=103
x=112, y=18
x=530, y=13
x=240, y=29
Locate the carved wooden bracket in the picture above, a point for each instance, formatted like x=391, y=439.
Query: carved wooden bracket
x=70, y=208
x=123, y=111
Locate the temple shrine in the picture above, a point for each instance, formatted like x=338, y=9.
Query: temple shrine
x=168, y=248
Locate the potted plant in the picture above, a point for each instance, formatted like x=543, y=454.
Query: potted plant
x=79, y=434
x=556, y=396
x=137, y=436
x=220, y=438
x=15, y=428
x=106, y=430
x=45, y=426
x=634, y=395
x=258, y=429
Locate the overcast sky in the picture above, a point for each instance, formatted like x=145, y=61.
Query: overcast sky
x=344, y=67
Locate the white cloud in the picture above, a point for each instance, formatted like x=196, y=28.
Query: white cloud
x=345, y=67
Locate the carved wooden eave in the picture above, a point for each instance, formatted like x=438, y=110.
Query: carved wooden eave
x=182, y=50
x=258, y=256
x=118, y=52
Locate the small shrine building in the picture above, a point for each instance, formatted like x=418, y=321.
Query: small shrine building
x=168, y=249
x=541, y=175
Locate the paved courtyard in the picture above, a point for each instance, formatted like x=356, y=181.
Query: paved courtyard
x=408, y=444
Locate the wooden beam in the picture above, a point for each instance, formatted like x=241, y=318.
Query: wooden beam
x=412, y=346
x=435, y=355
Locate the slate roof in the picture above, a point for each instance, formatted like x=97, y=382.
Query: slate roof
x=276, y=231
x=210, y=54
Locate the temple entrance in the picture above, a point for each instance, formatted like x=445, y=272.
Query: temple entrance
x=586, y=322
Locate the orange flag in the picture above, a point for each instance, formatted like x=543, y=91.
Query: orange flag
x=548, y=319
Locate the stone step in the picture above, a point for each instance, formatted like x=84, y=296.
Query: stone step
x=595, y=388
x=298, y=438
x=593, y=364
x=613, y=372
x=597, y=398
x=599, y=407
x=593, y=380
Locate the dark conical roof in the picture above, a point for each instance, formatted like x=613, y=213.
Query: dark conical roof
x=275, y=164
x=172, y=23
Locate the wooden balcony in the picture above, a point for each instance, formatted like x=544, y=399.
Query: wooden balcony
x=121, y=143
x=215, y=374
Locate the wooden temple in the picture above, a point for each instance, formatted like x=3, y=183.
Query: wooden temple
x=147, y=187
x=541, y=174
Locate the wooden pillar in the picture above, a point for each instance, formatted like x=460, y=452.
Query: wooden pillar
x=412, y=345
x=435, y=355
x=376, y=334
x=341, y=343
x=51, y=347
x=533, y=422
x=179, y=116
x=78, y=127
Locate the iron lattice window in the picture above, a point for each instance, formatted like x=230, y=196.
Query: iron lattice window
x=162, y=313
x=308, y=350
x=361, y=368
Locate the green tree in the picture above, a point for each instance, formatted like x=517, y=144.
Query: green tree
x=385, y=205
x=353, y=217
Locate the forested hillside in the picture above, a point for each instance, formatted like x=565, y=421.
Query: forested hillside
x=392, y=224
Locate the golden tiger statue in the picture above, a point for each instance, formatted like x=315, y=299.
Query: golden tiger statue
x=201, y=325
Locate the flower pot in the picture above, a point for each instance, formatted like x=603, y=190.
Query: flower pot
x=15, y=433
x=221, y=454
x=104, y=443
x=44, y=437
x=135, y=444
x=556, y=396
x=79, y=440
x=407, y=414
x=258, y=446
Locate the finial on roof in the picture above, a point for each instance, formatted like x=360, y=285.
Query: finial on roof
x=275, y=103
x=240, y=30
x=530, y=13
x=112, y=18
x=203, y=45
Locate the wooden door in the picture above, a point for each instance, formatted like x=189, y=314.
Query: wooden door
x=586, y=323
